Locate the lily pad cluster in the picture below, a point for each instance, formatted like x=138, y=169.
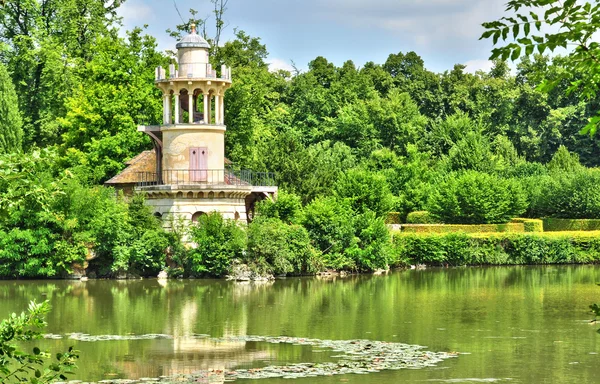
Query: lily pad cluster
x=355, y=357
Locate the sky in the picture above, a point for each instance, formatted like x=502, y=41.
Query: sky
x=442, y=32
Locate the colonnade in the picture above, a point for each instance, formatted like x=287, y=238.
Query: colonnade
x=173, y=108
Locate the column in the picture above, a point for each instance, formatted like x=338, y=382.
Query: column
x=177, y=108
x=222, y=110
x=209, y=116
x=169, y=110
x=217, y=108
x=166, y=99
x=191, y=107
x=206, y=110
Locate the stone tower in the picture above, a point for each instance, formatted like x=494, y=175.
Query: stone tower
x=191, y=176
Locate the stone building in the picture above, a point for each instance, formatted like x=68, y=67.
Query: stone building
x=186, y=175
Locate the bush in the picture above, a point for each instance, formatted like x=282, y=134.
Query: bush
x=365, y=190
x=530, y=225
x=465, y=228
x=287, y=207
x=329, y=225
x=371, y=250
x=281, y=249
x=421, y=217
x=568, y=195
x=393, y=218
x=477, y=198
x=556, y=225
x=218, y=243
x=498, y=249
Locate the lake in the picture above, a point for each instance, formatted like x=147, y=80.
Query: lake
x=509, y=324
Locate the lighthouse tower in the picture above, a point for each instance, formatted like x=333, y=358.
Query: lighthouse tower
x=191, y=177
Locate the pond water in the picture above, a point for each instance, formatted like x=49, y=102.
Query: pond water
x=513, y=324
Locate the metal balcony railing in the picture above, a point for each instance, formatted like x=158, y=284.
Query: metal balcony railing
x=207, y=177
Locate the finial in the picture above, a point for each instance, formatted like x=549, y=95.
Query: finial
x=193, y=28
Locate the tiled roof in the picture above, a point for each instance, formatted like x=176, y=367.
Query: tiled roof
x=144, y=162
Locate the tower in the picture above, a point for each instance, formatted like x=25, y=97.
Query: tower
x=191, y=176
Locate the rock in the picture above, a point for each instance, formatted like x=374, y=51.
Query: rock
x=83, y=278
x=163, y=275
x=241, y=272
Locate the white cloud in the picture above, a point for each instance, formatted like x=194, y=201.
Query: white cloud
x=473, y=66
x=424, y=21
x=277, y=64
x=136, y=13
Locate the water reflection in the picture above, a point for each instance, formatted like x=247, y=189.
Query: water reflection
x=502, y=316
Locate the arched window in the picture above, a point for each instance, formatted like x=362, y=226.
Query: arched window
x=196, y=216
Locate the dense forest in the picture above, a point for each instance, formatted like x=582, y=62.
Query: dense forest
x=349, y=145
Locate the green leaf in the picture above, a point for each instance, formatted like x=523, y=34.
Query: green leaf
x=515, y=53
x=38, y=374
x=527, y=29
x=36, y=351
x=515, y=30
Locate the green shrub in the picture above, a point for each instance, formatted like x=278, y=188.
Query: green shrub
x=217, y=243
x=498, y=249
x=281, y=249
x=287, y=207
x=393, y=218
x=464, y=228
x=568, y=195
x=477, y=198
x=530, y=225
x=421, y=217
x=366, y=191
x=371, y=248
x=555, y=225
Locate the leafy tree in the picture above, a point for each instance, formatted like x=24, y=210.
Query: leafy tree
x=365, y=190
x=547, y=25
x=11, y=130
x=287, y=208
x=281, y=249
x=564, y=161
x=472, y=152
x=218, y=243
x=477, y=198
x=17, y=366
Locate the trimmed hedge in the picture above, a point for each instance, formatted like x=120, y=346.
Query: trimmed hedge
x=497, y=249
x=556, y=225
x=530, y=225
x=453, y=228
x=421, y=217
x=393, y=218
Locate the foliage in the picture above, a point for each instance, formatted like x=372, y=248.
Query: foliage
x=38, y=367
x=558, y=225
x=498, y=249
x=11, y=130
x=287, y=207
x=548, y=25
x=463, y=228
x=281, y=249
x=568, y=195
x=564, y=161
x=365, y=190
x=217, y=243
x=421, y=217
x=477, y=198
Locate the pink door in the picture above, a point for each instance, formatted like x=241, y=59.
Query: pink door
x=198, y=164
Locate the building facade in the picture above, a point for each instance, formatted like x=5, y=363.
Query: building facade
x=190, y=176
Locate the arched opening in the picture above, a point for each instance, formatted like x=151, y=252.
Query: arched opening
x=190, y=195
x=158, y=215
x=196, y=216
x=179, y=195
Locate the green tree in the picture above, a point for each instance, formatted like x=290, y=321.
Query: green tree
x=11, y=130
x=547, y=25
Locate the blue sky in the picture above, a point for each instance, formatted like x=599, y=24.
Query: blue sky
x=443, y=32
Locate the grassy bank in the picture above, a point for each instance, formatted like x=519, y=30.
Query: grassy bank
x=497, y=248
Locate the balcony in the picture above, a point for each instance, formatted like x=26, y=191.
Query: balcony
x=207, y=177
x=192, y=71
